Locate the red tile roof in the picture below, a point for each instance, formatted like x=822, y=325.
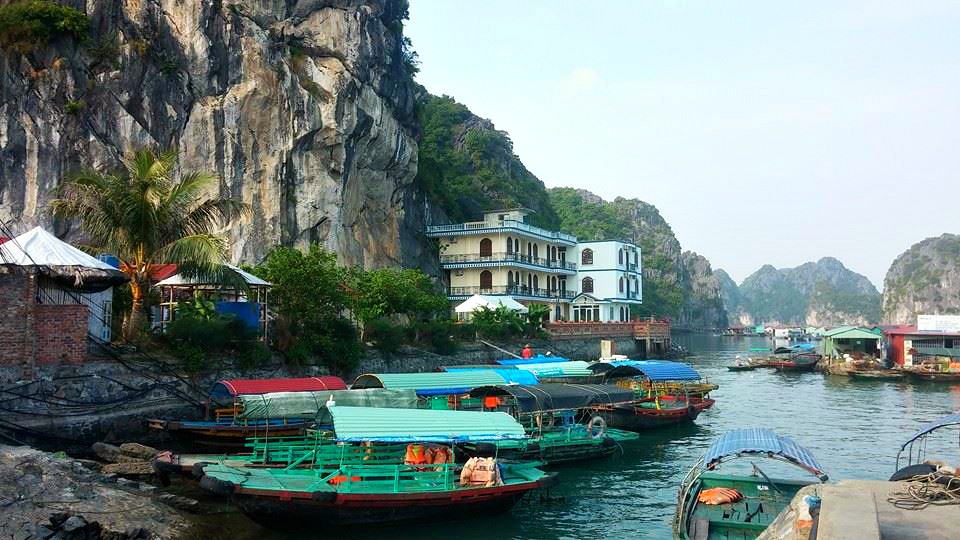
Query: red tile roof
x=234, y=387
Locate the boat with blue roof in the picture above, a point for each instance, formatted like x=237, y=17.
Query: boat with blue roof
x=740, y=505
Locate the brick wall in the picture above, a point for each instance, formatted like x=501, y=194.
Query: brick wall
x=32, y=334
x=61, y=333
x=17, y=303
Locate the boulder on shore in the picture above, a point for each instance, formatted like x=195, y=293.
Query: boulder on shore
x=43, y=495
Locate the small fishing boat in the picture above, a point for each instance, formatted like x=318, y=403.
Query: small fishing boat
x=646, y=376
x=921, y=374
x=654, y=412
x=914, y=463
x=713, y=505
x=798, y=363
x=370, y=473
x=739, y=364
x=878, y=374
x=223, y=427
x=559, y=420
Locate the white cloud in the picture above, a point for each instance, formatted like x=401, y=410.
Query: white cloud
x=583, y=79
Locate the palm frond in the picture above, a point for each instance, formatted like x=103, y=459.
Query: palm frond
x=201, y=253
x=214, y=213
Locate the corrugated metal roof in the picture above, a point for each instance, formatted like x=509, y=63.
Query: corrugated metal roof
x=431, y=383
x=511, y=375
x=949, y=420
x=539, y=359
x=760, y=441
x=557, y=396
x=852, y=332
x=576, y=368
x=661, y=370
x=400, y=425
x=234, y=387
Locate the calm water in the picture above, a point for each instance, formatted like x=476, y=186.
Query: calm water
x=854, y=429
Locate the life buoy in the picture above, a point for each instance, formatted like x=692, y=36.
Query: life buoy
x=594, y=422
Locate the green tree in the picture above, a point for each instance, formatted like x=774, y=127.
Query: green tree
x=537, y=315
x=311, y=296
x=145, y=216
x=387, y=291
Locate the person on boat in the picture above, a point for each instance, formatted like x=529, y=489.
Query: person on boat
x=527, y=352
x=483, y=469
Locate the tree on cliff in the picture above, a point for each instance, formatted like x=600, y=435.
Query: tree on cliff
x=145, y=216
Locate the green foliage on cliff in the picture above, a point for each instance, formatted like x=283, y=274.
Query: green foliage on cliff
x=921, y=278
x=31, y=23
x=467, y=167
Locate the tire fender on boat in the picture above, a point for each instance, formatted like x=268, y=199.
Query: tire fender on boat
x=215, y=485
x=197, y=469
x=908, y=472
x=594, y=422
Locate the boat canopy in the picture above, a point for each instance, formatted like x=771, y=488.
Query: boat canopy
x=510, y=374
x=312, y=405
x=949, y=420
x=557, y=396
x=760, y=441
x=236, y=387
x=539, y=359
x=655, y=370
x=403, y=425
x=575, y=368
x=427, y=384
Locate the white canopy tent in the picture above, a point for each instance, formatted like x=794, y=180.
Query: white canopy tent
x=493, y=302
x=180, y=279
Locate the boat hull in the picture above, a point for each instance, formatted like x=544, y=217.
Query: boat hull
x=935, y=376
x=635, y=418
x=288, y=511
x=884, y=375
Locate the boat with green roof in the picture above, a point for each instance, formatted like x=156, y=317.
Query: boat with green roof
x=738, y=505
x=362, y=472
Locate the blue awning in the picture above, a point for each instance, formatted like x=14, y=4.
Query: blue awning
x=511, y=375
x=760, y=441
x=949, y=420
x=540, y=359
x=655, y=370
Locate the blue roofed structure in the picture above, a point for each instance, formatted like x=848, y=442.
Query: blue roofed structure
x=655, y=370
x=763, y=442
x=539, y=359
x=511, y=375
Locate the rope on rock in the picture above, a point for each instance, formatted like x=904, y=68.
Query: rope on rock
x=931, y=489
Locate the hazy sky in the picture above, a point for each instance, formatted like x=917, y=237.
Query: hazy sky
x=764, y=132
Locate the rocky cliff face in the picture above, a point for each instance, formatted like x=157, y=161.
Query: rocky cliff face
x=304, y=108
x=925, y=279
x=824, y=293
x=733, y=302
x=702, y=299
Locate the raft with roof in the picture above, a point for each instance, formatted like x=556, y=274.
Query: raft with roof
x=362, y=474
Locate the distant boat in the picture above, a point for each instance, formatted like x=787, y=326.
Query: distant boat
x=743, y=365
x=711, y=504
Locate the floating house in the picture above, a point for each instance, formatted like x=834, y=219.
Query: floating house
x=851, y=339
x=935, y=339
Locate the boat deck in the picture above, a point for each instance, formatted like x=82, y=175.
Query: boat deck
x=744, y=519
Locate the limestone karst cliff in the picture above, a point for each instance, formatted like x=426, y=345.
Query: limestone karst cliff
x=304, y=107
x=925, y=279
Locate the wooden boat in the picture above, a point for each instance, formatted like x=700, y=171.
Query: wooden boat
x=741, y=367
x=365, y=477
x=763, y=498
x=654, y=412
x=558, y=419
x=643, y=376
x=223, y=427
x=878, y=374
x=935, y=376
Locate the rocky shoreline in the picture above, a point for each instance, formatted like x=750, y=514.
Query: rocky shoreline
x=50, y=496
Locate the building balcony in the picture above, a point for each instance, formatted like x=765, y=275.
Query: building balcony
x=633, y=267
x=474, y=260
x=480, y=227
x=517, y=291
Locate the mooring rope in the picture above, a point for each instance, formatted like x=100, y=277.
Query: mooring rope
x=926, y=490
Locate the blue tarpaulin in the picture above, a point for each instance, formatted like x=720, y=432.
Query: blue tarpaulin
x=661, y=370
x=515, y=376
x=248, y=312
x=760, y=441
x=539, y=359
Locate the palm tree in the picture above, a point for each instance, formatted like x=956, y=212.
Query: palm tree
x=145, y=216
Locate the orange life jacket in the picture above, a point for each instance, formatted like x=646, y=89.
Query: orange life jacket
x=415, y=455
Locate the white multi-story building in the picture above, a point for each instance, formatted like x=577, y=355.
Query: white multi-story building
x=504, y=255
x=609, y=280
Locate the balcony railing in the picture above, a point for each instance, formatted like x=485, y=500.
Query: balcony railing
x=507, y=257
x=518, y=290
x=632, y=267
x=504, y=224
